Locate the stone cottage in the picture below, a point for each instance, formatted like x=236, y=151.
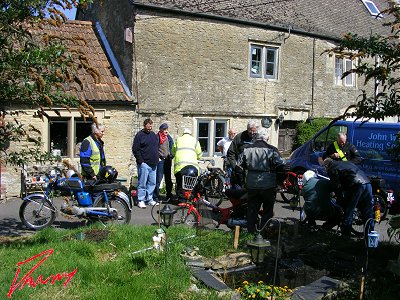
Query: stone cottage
x=211, y=65
x=111, y=99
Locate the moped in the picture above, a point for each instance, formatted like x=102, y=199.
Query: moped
x=96, y=200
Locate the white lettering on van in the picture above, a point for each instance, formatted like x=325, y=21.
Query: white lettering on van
x=377, y=137
x=393, y=137
x=369, y=145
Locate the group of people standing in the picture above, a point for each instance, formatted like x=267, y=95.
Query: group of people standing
x=252, y=158
x=154, y=154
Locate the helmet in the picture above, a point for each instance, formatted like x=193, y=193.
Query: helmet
x=189, y=171
x=71, y=173
x=108, y=174
x=308, y=175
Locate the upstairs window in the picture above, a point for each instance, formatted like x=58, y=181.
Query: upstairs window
x=370, y=5
x=343, y=65
x=263, y=62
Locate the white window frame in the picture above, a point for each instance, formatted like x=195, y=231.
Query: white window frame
x=371, y=7
x=343, y=65
x=211, y=137
x=263, y=62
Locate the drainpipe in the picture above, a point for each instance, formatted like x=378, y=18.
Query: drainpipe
x=112, y=58
x=313, y=80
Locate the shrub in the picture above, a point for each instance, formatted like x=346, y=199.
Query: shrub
x=306, y=130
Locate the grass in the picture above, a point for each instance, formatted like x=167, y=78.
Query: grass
x=106, y=266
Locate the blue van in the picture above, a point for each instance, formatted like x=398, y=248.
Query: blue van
x=372, y=139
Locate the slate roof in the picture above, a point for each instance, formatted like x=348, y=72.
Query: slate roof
x=323, y=17
x=109, y=89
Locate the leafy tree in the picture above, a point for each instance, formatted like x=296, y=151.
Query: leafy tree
x=35, y=67
x=379, y=57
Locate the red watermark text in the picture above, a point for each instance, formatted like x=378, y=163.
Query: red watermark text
x=27, y=278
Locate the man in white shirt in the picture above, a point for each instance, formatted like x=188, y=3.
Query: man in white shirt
x=223, y=144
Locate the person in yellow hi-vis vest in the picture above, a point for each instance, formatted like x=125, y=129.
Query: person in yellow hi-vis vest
x=186, y=152
x=92, y=156
x=342, y=150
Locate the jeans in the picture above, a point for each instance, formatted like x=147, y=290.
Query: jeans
x=146, y=182
x=159, y=177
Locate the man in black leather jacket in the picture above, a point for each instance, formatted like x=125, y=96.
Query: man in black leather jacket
x=342, y=150
x=262, y=161
x=349, y=180
x=241, y=140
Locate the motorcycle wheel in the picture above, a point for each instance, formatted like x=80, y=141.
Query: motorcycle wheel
x=214, y=187
x=123, y=215
x=182, y=217
x=33, y=218
x=383, y=205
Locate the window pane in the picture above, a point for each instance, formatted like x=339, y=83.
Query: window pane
x=349, y=78
x=59, y=137
x=270, y=63
x=255, y=64
x=220, y=132
x=82, y=130
x=203, y=135
x=338, y=70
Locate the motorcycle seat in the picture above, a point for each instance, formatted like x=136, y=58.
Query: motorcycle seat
x=102, y=187
x=235, y=193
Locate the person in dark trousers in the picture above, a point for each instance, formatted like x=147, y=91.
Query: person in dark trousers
x=342, y=150
x=91, y=154
x=164, y=150
x=239, y=142
x=355, y=186
x=167, y=170
x=145, y=149
x=262, y=161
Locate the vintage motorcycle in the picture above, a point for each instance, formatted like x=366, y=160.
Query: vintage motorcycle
x=194, y=209
x=101, y=200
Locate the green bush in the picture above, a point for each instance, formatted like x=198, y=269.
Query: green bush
x=306, y=130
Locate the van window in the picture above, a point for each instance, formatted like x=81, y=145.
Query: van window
x=327, y=137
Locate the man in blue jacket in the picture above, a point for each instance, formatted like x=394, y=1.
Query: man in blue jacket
x=145, y=150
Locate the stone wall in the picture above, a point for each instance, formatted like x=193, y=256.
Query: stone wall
x=120, y=125
x=185, y=68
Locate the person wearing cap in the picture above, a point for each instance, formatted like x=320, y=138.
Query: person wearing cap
x=318, y=204
x=165, y=154
x=186, y=151
x=262, y=162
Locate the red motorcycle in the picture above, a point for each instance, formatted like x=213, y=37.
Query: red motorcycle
x=291, y=185
x=195, y=210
